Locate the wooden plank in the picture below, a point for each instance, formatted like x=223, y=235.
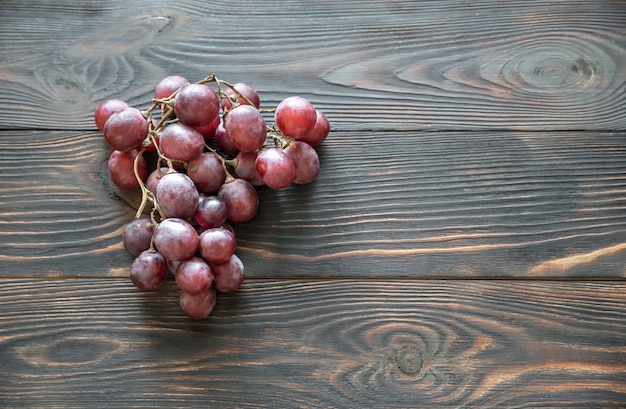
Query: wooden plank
x=316, y=344
x=387, y=204
x=550, y=65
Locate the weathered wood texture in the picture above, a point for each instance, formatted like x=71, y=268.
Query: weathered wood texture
x=471, y=140
x=368, y=64
x=400, y=344
x=386, y=204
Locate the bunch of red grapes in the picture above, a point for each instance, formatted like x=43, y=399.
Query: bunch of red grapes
x=209, y=147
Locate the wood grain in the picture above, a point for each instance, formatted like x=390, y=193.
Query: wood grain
x=292, y=343
x=385, y=204
x=436, y=65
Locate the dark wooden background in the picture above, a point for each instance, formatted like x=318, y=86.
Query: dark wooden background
x=463, y=246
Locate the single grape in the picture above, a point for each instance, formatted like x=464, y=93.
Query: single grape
x=306, y=160
x=198, y=306
x=181, y=142
x=148, y=271
x=295, y=117
x=121, y=165
x=138, y=235
x=125, y=129
x=154, y=178
x=245, y=168
x=275, y=168
x=194, y=276
x=211, y=212
x=168, y=85
x=207, y=172
x=246, y=91
x=224, y=143
x=196, y=105
x=107, y=108
x=176, y=239
x=241, y=200
x=217, y=245
x=177, y=195
x=245, y=128
x=228, y=276
x=319, y=132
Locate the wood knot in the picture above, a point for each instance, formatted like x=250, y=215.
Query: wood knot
x=409, y=359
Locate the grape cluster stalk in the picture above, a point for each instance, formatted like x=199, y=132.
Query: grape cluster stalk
x=198, y=155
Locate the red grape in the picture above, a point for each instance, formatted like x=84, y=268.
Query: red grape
x=295, y=117
x=319, y=132
x=176, y=239
x=245, y=128
x=241, y=200
x=198, y=306
x=246, y=91
x=148, y=271
x=177, y=195
x=138, y=235
x=168, y=85
x=181, y=142
x=194, y=276
x=224, y=143
x=306, y=160
x=228, y=276
x=245, y=168
x=275, y=168
x=217, y=245
x=207, y=172
x=121, y=171
x=196, y=105
x=154, y=178
x=125, y=129
x=107, y=108
x=211, y=212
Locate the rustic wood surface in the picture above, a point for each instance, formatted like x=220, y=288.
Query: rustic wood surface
x=463, y=246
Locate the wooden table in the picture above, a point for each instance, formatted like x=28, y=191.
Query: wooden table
x=463, y=246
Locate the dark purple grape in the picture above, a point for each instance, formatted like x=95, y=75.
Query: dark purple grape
x=125, y=129
x=200, y=305
x=121, y=169
x=211, y=212
x=306, y=160
x=177, y=195
x=275, y=168
x=295, y=117
x=181, y=142
x=138, y=235
x=228, y=276
x=194, y=276
x=245, y=128
x=207, y=173
x=176, y=239
x=148, y=271
x=107, y=108
x=217, y=245
x=196, y=105
x=241, y=200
